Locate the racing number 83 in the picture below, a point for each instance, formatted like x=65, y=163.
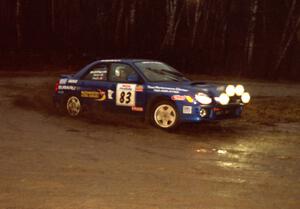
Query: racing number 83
x=125, y=97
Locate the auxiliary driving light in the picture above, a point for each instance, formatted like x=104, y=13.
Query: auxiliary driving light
x=246, y=97
x=239, y=90
x=230, y=90
x=203, y=98
x=223, y=99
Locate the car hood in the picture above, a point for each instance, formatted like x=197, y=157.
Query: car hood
x=191, y=87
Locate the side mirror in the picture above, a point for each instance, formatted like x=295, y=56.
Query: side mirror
x=133, y=78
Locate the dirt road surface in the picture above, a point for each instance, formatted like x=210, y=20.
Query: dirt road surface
x=51, y=161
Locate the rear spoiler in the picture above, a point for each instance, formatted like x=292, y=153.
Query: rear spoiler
x=67, y=76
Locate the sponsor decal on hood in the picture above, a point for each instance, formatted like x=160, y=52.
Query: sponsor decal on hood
x=175, y=90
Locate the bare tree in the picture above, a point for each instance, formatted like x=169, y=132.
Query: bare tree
x=215, y=34
x=250, y=43
x=53, y=16
x=119, y=17
x=287, y=35
x=172, y=22
x=197, y=18
x=288, y=23
x=133, y=12
x=132, y=20
x=207, y=7
x=288, y=42
x=18, y=22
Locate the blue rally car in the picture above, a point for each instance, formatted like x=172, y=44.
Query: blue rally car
x=152, y=89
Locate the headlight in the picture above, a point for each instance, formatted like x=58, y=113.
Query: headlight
x=230, y=90
x=239, y=90
x=223, y=99
x=203, y=98
x=246, y=97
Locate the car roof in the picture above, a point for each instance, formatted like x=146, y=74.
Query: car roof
x=127, y=60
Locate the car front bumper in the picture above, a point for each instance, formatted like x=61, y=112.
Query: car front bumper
x=210, y=113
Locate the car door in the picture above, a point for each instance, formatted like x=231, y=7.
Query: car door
x=127, y=88
x=94, y=86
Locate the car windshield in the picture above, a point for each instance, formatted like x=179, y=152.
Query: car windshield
x=160, y=72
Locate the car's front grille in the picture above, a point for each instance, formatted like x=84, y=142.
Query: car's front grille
x=235, y=100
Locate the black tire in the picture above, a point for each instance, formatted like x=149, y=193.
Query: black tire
x=164, y=115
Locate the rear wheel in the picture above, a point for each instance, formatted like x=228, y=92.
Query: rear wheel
x=164, y=115
x=73, y=106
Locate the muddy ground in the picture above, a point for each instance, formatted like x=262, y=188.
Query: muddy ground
x=51, y=161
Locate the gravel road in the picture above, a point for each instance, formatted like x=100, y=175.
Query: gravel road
x=50, y=161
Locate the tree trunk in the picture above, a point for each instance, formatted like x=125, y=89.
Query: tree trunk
x=18, y=23
x=133, y=12
x=172, y=23
x=207, y=6
x=288, y=22
x=53, y=16
x=132, y=21
x=287, y=44
x=251, y=32
x=118, y=23
x=198, y=14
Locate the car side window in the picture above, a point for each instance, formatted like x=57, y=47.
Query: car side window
x=121, y=72
x=97, y=72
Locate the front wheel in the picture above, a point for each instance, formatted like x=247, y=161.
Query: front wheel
x=73, y=106
x=164, y=115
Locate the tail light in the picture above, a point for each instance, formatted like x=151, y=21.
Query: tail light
x=56, y=86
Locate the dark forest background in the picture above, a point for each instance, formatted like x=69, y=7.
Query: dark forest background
x=250, y=38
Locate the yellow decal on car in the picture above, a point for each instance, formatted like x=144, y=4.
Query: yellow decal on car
x=98, y=95
x=189, y=99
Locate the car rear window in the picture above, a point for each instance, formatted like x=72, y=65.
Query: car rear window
x=97, y=73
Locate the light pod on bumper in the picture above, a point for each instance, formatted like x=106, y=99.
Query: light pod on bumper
x=203, y=98
x=230, y=90
x=239, y=90
x=246, y=97
x=223, y=99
